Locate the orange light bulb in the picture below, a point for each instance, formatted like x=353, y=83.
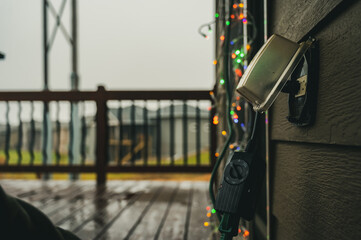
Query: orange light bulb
x=238, y=72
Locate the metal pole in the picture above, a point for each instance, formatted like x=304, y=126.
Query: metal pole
x=45, y=43
x=268, y=199
x=47, y=134
x=74, y=74
x=75, y=123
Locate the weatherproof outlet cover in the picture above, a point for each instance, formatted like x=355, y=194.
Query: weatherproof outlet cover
x=269, y=71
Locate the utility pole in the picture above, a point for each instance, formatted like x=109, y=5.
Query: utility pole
x=47, y=129
x=74, y=125
x=75, y=120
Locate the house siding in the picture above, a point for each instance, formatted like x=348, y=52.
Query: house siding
x=316, y=171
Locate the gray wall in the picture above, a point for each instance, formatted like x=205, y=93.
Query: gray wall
x=316, y=171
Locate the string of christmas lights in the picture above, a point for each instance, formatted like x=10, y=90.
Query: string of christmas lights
x=208, y=26
x=238, y=49
x=239, y=56
x=242, y=230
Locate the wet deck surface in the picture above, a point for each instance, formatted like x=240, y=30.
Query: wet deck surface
x=121, y=210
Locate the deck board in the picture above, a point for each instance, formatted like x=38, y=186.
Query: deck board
x=77, y=203
x=124, y=225
x=174, y=226
x=133, y=210
x=200, y=201
x=89, y=205
x=108, y=211
x=150, y=223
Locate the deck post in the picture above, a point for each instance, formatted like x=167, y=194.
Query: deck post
x=101, y=136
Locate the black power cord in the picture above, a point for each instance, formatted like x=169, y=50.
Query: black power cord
x=238, y=190
x=229, y=220
x=228, y=104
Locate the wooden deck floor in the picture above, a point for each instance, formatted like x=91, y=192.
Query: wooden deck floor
x=121, y=210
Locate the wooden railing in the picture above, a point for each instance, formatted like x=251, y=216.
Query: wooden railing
x=135, y=139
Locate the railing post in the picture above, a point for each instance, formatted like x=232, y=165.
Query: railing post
x=101, y=136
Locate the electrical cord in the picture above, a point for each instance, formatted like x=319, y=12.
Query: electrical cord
x=250, y=141
x=229, y=121
x=226, y=234
x=205, y=25
x=227, y=221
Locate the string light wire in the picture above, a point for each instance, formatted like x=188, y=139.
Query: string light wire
x=227, y=70
x=251, y=23
x=203, y=26
x=229, y=120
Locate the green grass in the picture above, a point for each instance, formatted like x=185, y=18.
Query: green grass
x=25, y=160
x=192, y=161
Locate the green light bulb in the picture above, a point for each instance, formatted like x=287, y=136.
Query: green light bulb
x=216, y=15
x=213, y=211
x=238, y=60
x=242, y=55
x=231, y=112
x=237, y=52
x=227, y=23
x=221, y=81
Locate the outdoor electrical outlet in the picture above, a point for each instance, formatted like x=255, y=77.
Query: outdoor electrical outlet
x=282, y=65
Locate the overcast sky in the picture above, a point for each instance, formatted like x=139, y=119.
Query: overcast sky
x=123, y=44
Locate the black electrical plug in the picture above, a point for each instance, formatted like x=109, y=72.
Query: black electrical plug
x=238, y=193
x=230, y=192
x=234, y=177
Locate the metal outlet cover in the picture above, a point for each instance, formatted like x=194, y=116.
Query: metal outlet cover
x=269, y=70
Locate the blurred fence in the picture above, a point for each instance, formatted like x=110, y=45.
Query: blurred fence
x=129, y=131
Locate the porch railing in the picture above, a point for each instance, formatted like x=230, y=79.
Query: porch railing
x=132, y=131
